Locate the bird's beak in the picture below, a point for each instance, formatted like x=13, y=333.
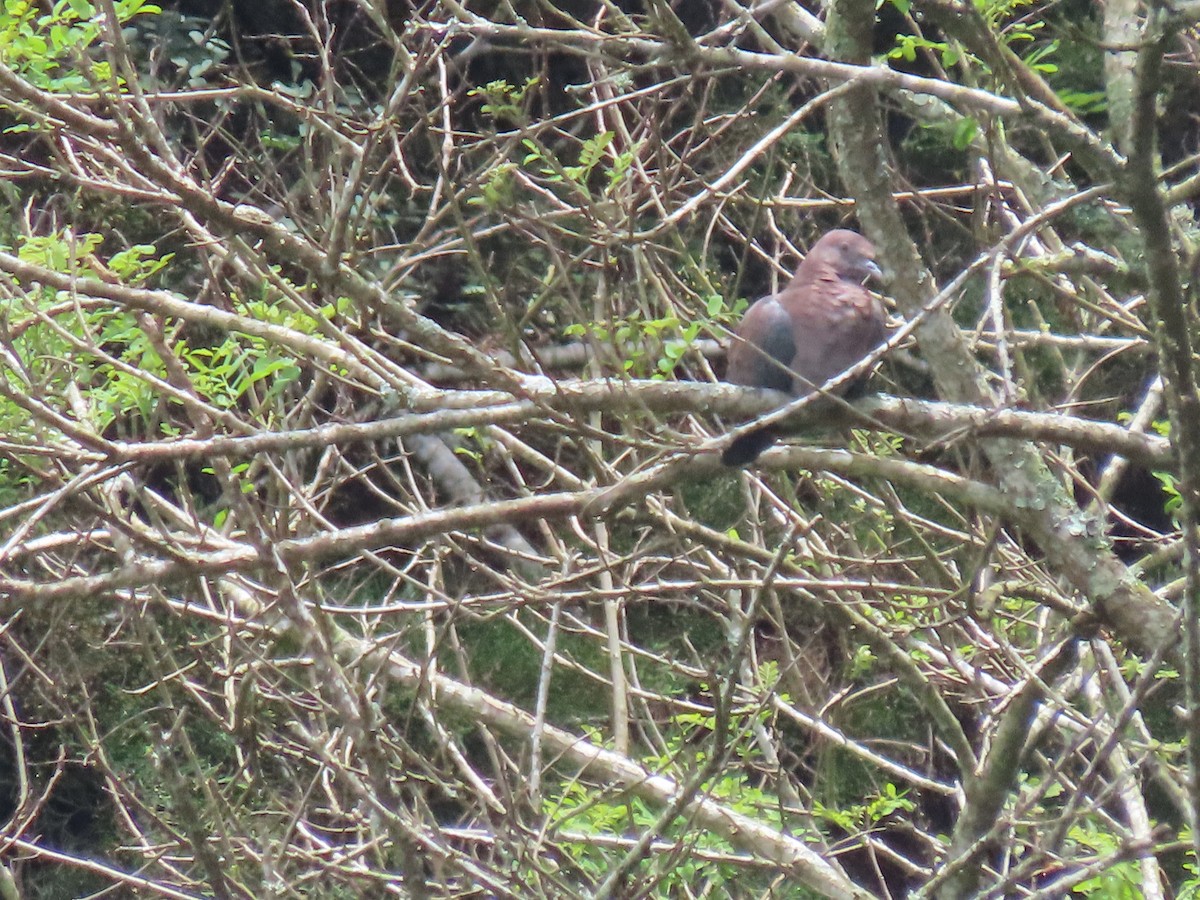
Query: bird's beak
x=872, y=270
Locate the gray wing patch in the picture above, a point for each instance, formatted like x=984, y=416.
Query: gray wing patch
x=764, y=355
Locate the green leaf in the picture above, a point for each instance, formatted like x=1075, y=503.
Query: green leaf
x=964, y=133
x=593, y=149
x=534, y=153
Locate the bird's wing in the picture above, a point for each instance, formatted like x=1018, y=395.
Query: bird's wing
x=836, y=324
x=762, y=350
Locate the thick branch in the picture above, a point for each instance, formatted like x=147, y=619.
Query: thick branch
x=1174, y=324
x=438, y=411
x=1073, y=542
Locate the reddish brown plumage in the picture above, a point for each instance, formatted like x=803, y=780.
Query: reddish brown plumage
x=822, y=323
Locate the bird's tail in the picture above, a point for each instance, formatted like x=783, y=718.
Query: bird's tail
x=746, y=449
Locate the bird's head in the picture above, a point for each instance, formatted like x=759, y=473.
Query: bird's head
x=850, y=254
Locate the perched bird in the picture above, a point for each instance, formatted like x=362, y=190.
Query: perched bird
x=821, y=324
